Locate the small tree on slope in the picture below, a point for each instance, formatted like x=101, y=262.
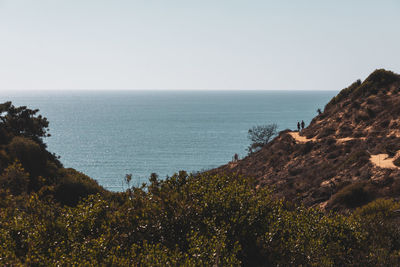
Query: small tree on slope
x=260, y=135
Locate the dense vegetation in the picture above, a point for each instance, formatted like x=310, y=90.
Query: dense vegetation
x=50, y=215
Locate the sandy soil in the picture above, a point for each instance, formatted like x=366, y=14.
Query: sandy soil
x=341, y=140
x=323, y=205
x=380, y=160
x=383, y=161
x=301, y=139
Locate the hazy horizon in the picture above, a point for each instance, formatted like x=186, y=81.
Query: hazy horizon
x=32, y=90
x=186, y=45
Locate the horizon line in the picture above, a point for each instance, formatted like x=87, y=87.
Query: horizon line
x=159, y=89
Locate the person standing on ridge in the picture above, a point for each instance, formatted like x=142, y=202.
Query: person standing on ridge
x=298, y=126
x=302, y=125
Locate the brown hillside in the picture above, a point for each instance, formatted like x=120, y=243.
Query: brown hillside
x=346, y=157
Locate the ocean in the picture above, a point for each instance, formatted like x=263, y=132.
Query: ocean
x=108, y=134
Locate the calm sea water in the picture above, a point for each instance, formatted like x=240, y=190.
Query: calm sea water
x=107, y=134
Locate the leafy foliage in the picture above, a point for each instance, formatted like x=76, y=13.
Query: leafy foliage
x=21, y=121
x=73, y=186
x=15, y=179
x=353, y=195
x=196, y=221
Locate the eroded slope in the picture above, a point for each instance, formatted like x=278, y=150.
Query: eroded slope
x=346, y=157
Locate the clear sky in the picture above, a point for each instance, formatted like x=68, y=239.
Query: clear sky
x=202, y=44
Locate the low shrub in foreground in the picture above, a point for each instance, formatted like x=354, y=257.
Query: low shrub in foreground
x=191, y=220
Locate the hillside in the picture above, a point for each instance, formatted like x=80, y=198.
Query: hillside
x=345, y=158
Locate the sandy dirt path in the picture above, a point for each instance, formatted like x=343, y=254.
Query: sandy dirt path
x=383, y=161
x=380, y=160
x=301, y=139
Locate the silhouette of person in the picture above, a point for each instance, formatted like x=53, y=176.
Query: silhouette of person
x=298, y=126
x=236, y=157
x=302, y=124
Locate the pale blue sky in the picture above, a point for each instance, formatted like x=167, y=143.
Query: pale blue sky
x=203, y=44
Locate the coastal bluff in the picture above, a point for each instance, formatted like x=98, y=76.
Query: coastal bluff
x=348, y=156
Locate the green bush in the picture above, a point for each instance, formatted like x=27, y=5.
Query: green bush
x=304, y=237
x=73, y=186
x=32, y=157
x=190, y=220
x=378, y=222
x=352, y=196
x=15, y=179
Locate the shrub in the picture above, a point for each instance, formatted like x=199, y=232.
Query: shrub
x=371, y=113
x=72, y=186
x=379, y=222
x=345, y=130
x=306, y=148
x=352, y=196
x=295, y=170
x=326, y=132
x=29, y=153
x=397, y=162
x=372, y=100
x=358, y=134
x=303, y=237
x=391, y=148
x=344, y=93
x=333, y=154
x=4, y=160
x=15, y=179
x=379, y=79
x=359, y=157
x=385, y=123
x=361, y=116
